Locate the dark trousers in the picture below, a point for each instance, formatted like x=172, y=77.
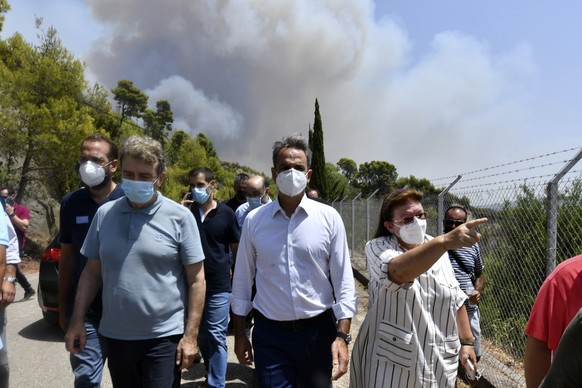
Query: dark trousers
x=22, y=280
x=288, y=358
x=147, y=363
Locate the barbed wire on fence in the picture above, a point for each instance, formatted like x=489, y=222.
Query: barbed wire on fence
x=448, y=178
x=514, y=247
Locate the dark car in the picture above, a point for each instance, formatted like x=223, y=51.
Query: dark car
x=48, y=281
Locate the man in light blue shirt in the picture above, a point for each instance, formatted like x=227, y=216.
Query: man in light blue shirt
x=257, y=195
x=146, y=251
x=295, y=250
x=9, y=259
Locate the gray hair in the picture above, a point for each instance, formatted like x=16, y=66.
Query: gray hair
x=294, y=141
x=144, y=149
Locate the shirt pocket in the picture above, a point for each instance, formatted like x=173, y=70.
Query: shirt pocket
x=451, y=348
x=394, y=345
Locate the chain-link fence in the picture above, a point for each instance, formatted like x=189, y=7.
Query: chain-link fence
x=533, y=224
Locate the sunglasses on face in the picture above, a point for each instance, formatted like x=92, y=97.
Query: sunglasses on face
x=453, y=223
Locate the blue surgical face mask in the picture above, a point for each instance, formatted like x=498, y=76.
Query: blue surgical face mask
x=254, y=202
x=137, y=191
x=200, y=195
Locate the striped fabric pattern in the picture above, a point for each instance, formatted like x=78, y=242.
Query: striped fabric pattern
x=409, y=337
x=471, y=258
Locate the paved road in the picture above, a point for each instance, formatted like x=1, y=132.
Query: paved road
x=38, y=357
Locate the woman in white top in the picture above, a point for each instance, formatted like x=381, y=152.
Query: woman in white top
x=417, y=329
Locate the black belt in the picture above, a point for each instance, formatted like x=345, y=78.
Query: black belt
x=299, y=324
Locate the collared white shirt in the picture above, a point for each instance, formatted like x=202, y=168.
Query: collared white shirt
x=299, y=263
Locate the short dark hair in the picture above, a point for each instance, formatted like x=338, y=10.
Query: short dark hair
x=392, y=201
x=294, y=141
x=241, y=177
x=457, y=207
x=208, y=174
x=113, y=150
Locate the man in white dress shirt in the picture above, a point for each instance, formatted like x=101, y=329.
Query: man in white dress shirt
x=295, y=250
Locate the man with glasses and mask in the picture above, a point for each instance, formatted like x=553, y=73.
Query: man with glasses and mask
x=468, y=266
x=145, y=251
x=257, y=195
x=295, y=251
x=416, y=330
x=97, y=164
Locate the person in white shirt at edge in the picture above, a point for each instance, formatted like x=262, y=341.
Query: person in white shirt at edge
x=9, y=259
x=416, y=330
x=295, y=250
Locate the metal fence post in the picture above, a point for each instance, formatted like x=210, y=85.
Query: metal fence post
x=333, y=202
x=552, y=212
x=342, y=205
x=368, y=214
x=441, y=200
x=354, y=223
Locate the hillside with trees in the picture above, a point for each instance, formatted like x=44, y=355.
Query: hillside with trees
x=47, y=107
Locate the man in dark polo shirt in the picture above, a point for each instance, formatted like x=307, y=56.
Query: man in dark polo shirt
x=219, y=233
x=97, y=163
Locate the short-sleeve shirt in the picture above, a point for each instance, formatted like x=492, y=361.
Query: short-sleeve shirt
x=471, y=259
x=409, y=337
x=143, y=253
x=557, y=303
x=3, y=229
x=77, y=211
x=218, y=230
x=23, y=213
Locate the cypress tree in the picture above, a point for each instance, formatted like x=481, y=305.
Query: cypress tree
x=318, y=180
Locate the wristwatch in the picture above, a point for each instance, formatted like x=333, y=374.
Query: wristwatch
x=346, y=337
x=10, y=279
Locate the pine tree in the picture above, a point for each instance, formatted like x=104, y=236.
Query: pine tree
x=318, y=180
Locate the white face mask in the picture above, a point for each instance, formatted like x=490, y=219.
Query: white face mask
x=92, y=174
x=413, y=233
x=291, y=182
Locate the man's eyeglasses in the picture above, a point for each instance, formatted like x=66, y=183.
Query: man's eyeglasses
x=410, y=220
x=453, y=223
x=97, y=160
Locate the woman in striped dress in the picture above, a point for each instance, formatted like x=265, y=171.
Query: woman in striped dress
x=417, y=329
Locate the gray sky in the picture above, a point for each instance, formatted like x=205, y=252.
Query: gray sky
x=435, y=88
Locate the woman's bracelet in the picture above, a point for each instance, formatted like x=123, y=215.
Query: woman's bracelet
x=467, y=343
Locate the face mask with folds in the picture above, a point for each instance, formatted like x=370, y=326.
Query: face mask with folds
x=291, y=182
x=413, y=233
x=92, y=174
x=200, y=195
x=137, y=191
